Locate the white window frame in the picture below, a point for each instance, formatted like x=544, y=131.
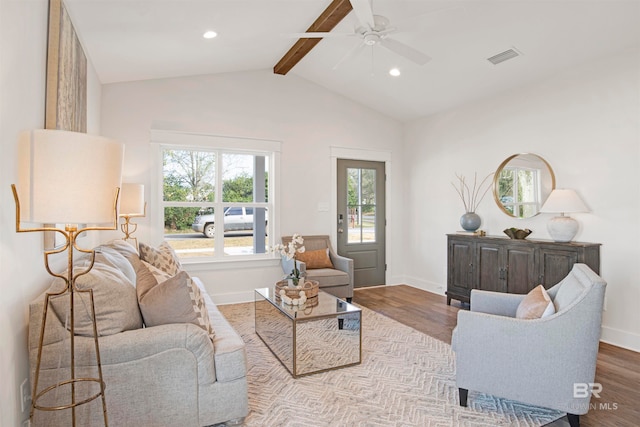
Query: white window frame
x=163, y=139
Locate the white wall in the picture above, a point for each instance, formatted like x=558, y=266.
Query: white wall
x=22, y=54
x=23, y=38
x=585, y=123
x=306, y=118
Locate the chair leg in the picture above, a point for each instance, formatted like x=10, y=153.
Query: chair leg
x=463, y=393
x=574, y=420
x=235, y=422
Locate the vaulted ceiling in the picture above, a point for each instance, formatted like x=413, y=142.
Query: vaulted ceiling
x=129, y=40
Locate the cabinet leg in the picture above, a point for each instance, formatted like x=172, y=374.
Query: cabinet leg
x=448, y=300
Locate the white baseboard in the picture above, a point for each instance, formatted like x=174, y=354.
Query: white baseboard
x=233, y=298
x=425, y=285
x=621, y=338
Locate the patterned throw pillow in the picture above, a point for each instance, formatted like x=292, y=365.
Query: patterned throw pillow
x=316, y=259
x=159, y=275
x=536, y=305
x=162, y=257
x=175, y=300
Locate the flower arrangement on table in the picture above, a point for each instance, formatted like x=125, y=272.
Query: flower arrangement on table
x=289, y=252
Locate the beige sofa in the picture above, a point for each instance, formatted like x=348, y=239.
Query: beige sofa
x=170, y=374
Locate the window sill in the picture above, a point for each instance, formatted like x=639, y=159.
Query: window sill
x=209, y=264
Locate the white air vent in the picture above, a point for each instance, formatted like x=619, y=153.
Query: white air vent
x=504, y=56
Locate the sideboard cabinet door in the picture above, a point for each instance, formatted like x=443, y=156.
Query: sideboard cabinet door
x=461, y=257
x=557, y=261
x=521, y=272
x=490, y=275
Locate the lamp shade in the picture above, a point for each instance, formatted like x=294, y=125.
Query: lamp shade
x=563, y=201
x=132, y=199
x=68, y=177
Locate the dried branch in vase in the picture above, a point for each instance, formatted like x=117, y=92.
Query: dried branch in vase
x=471, y=196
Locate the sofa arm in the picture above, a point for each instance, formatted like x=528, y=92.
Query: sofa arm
x=134, y=345
x=498, y=303
x=342, y=263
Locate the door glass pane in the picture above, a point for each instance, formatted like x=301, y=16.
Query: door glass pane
x=361, y=205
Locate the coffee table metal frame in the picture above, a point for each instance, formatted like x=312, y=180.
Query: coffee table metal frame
x=285, y=329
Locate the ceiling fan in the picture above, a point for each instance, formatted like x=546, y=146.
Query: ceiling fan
x=373, y=30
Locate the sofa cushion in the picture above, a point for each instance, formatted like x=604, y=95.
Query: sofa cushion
x=570, y=289
x=328, y=276
x=125, y=248
x=114, y=257
x=315, y=259
x=114, y=296
x=537, y=304
x=175, y=300
x=162, y=257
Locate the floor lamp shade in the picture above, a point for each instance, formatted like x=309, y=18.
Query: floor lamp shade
x=131, y=199
x=68, y=177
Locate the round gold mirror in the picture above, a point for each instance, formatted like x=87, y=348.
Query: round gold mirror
x=522, y=183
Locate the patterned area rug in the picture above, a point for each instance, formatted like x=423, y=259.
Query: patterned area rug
x=406, y=378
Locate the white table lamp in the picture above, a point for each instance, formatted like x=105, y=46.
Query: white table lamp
x=563, y=228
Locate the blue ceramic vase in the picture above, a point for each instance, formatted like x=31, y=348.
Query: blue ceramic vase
x=470, y=221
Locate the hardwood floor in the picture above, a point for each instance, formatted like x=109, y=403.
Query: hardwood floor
x=618, y=370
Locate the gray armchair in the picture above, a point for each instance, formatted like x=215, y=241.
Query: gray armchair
x=337, y=281
x=537, y=361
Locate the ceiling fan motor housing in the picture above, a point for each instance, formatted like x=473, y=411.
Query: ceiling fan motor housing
x=371, y=38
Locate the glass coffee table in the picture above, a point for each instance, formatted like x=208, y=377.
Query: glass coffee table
x=322, y=335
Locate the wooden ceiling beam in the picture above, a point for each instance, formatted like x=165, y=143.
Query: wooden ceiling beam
x=327, y=20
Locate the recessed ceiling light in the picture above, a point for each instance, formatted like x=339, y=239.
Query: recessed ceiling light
x=209, y=34
x=394, y=72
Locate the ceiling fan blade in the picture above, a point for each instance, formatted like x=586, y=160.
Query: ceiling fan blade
x=403, y=50
x=364, y=12
x=352, y=53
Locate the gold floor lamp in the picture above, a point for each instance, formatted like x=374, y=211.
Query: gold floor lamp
x=70, y=180
x=132, y=205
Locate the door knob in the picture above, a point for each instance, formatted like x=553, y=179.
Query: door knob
x=340, y=230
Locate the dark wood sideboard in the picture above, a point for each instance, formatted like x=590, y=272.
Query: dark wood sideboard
x=500, y=264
